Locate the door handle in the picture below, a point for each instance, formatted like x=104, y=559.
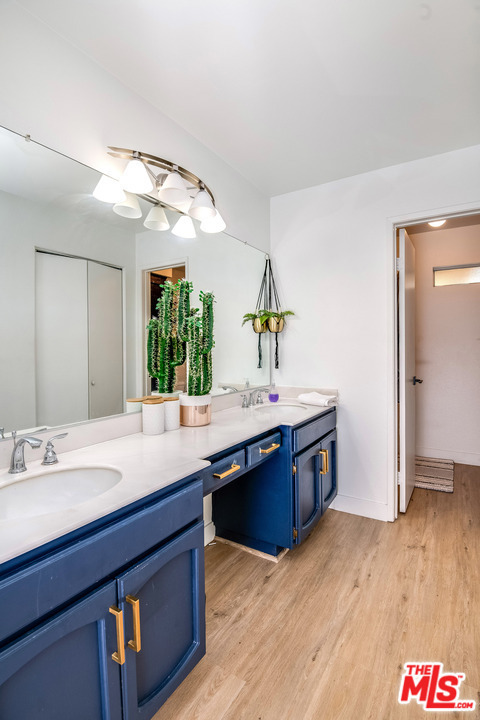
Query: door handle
x=119, y=655
x=136, y=643
x=417, y=380
x=324, y=454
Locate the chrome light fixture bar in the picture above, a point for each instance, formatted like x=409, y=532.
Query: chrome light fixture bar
x=168, y=186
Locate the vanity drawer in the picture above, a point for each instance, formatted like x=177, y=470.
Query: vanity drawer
x=308, y=434
x=223, y=471
x=38, y=589
x=263, y=449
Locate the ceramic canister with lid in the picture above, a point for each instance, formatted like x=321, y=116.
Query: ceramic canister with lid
x=153, y=416
x=172, y=413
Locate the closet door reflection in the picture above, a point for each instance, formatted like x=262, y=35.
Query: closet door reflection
x=78, y=338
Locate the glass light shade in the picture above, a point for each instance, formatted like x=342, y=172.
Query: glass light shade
x=213, y=225
x=135, y=178
x=129, y=208
x=184, y=228
x=437, y=223
x=156, y=219
x=202, y=207
x=108, y=190
x=174, y=190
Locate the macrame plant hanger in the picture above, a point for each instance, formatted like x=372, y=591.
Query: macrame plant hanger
x=267, y=300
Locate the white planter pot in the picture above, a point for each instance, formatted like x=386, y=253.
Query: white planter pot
x=195, y=410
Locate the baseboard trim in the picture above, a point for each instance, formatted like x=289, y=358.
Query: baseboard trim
x=463, y=458
x=364, y=508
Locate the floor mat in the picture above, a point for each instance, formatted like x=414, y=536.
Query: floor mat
x=434, y=474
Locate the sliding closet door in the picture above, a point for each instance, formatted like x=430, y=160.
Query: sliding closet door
x=61, y=339
x=105, y=343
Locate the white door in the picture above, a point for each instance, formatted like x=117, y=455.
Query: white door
x=406, y=341
x=105, y=340
x=61, y=339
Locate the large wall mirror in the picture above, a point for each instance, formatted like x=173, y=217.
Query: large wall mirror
x=73, y=294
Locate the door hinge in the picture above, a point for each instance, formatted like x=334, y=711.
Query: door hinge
x=399, y=478
x=398, y=264
x=295, y=533
x=294, y=469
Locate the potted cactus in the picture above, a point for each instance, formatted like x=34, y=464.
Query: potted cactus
x=177, y=334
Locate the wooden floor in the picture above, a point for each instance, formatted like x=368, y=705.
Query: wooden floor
x=324, y=634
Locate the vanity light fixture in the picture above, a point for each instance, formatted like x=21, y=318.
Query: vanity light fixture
x=109, y=190
x=129, y=208
x=166, y=185
x=156, y=219
x=184, y=228
x=437, y=223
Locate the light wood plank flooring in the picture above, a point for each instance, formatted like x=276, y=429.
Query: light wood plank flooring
x=324, y=634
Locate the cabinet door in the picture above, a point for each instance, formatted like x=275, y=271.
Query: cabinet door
x=328, y=468
x=170, y=636
x=63, y=668
x=308, y=500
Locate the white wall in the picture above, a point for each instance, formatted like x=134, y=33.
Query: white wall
x=447, y=348
x=334, y=255
x=66, y=101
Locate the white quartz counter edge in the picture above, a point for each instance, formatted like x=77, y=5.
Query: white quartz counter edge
x=147, y=464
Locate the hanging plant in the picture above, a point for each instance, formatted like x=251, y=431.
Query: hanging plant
x=272, y=319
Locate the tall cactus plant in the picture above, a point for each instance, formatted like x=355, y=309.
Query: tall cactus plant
x=175, y=326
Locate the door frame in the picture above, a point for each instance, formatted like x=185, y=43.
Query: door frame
x=394, y=224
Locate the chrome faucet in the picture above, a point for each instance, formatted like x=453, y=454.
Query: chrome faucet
x=229, y=387
x=17, y=462
x=50, y=457
x=258, y=393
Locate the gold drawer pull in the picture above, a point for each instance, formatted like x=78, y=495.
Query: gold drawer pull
x=324, y=454
x=272, y=447
x=136, y=643
x=118, y=656
x=233, y=469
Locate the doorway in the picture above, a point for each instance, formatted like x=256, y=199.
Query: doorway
x=446, y=338
x=155, y=279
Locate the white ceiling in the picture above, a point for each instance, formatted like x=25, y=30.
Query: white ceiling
x=293, y=94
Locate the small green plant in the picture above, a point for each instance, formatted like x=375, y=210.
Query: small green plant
x=177, y=326
x=264, y=315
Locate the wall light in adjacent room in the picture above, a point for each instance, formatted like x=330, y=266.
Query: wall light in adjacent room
x=437, y=223
x=184, y=228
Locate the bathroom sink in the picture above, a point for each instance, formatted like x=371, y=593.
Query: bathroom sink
x=54, y=490
x=282, y=410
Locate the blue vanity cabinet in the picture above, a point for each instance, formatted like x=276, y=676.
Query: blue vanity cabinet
x=277, y=504
x=163, y=601
x=117, y=649
x=63, y=668
x=315, y=483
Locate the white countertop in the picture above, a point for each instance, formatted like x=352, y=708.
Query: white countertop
x=147, y=464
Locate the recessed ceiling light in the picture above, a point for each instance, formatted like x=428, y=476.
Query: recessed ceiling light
x=437, y=223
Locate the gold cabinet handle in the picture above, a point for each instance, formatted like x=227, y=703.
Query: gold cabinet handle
x=272, y=447
x=233, y=469
x=119, y=655
x=136, y=643
x=324, y=454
